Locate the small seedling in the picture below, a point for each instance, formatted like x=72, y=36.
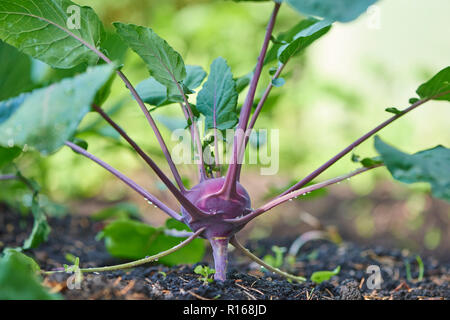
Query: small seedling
x=321, y=276
x=277, y=259
x=205, y=272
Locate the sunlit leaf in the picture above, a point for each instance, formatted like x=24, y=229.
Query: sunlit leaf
x=45, y=118
x=303, y=39
x=131, y=239
x=217, y=99
x=432, y=166
x=47, y=30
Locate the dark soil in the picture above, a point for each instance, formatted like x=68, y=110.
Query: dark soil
x=246, y=281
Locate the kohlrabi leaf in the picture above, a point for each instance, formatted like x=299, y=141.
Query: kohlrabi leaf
x=194, y=77
x=53, y=31
x=313, y=31
x=163, y=62
x=243, y=81
x=45, y=118
x=367, y=162
x=7, y=155
x=437, y=85
x=335, y=10
x=19, y=279
x=131, y=239
x=218, y=98
x=286, y=37
x=155, y=94
x=15, y=72
x=40, y=230
x=432, y=166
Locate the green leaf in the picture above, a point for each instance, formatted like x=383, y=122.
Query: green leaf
x=432, y=166
x=155, y=94
x=217, y=100
x=46, y=30
x=122, y=210
x=135, y=240
x=336, y=10
x=18, y=278
x=314, y=30
x=321, y=276
x=437, y=85
x=15, y=72
x=7, y=155
x=40, y=230
x=45, y=118
x=163, y=62
x=393, y=110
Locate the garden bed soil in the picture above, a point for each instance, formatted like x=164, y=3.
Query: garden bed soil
x=246, y=280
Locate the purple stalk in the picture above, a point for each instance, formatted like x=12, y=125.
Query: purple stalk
x=126, y=180
x=294, y=194
x=177, y=193
x=229, y=187
x=346, y=150
x=220, y=252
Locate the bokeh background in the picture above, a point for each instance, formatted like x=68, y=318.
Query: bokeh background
x=334, y=93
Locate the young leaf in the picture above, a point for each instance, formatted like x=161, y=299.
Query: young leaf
x=163, y=62
x=18, y=278
x=432, y=166
x=440, y=83
x=286, y=37
x=48, y=30
x=46, y=118
x=194, y=77
x=134, y=240
x=321, y=276
x=15, y=72
x=367, y=162
x=218, y=98
x=336, y=10
x=303, y=39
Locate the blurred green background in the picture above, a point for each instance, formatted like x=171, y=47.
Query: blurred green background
x=335, y=92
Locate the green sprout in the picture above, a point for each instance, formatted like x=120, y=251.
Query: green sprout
x=205, y=272
x=421, y=269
